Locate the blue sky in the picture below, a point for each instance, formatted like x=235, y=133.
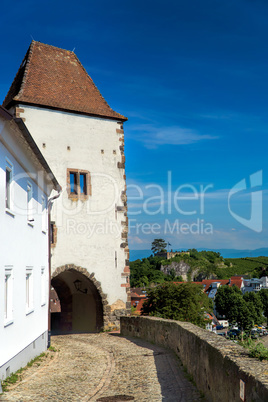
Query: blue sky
x=192, y=77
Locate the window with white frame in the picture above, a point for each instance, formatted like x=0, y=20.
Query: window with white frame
x=30, y=203
x=8, y=296
x=44, y=215
x=43, y=286
x=29, y=289
x=9, y=178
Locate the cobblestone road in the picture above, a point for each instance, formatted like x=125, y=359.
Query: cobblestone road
x=105, y=367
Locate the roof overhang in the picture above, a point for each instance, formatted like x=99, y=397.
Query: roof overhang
x=101, y=116
x=6, y=115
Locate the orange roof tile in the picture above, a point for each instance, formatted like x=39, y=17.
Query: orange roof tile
x=55, y=78
x=138, y=305
x=208, y=282
x=235, y=280
x=140, y=292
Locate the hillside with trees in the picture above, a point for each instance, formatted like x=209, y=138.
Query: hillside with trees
x=253, y=267
x=200, y=265
x=147, y=271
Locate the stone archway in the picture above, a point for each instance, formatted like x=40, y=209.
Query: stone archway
x=84, y=310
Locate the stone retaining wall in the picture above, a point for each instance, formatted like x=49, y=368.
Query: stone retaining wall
x=219, y=367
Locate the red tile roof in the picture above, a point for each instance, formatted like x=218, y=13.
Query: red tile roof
x=137, y=292
x=234, y=280
x=208, y=282
x=138, y=305
x=55, y=78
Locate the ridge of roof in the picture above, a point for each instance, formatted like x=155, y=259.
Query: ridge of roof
x=55, y=78
x=17, y=82
x=26, y=62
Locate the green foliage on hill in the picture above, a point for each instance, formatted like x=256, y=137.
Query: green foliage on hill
x=203, y=265
x=183, y=302
x=147, y=271
x=253, y=267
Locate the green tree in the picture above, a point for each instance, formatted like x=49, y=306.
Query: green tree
x=183, y=302
x=146, y=271
x=225, y=298
x=242, y=310
x=264, y=298
x=255, y=306
x=158, y=245
x=240, y=314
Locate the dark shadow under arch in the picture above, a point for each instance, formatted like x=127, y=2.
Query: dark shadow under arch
x=83, y=310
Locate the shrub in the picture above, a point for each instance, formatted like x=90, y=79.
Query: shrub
x=259, y=352
x=183, y=302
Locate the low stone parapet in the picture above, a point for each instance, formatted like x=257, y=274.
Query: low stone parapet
x=220, y=368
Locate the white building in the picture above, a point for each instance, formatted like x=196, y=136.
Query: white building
x=255, y=284
x=26, y=183
x=82, y=139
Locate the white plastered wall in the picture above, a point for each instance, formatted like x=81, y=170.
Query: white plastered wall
x=88, y=232
x=22, y=245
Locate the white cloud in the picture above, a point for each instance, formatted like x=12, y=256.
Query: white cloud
x=138, y=240
x=220, y=239
x=153, y=137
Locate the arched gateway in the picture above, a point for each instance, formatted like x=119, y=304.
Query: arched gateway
x=83, y=304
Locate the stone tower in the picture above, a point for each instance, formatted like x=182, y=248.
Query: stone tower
x=82, y=139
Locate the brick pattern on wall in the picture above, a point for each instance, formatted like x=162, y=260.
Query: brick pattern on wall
x=53, y=235
x=124, y=222
x=18, y=112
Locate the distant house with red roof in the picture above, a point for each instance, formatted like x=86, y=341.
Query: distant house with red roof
x=210, y=285
x=212, y=321
x=138, y=295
